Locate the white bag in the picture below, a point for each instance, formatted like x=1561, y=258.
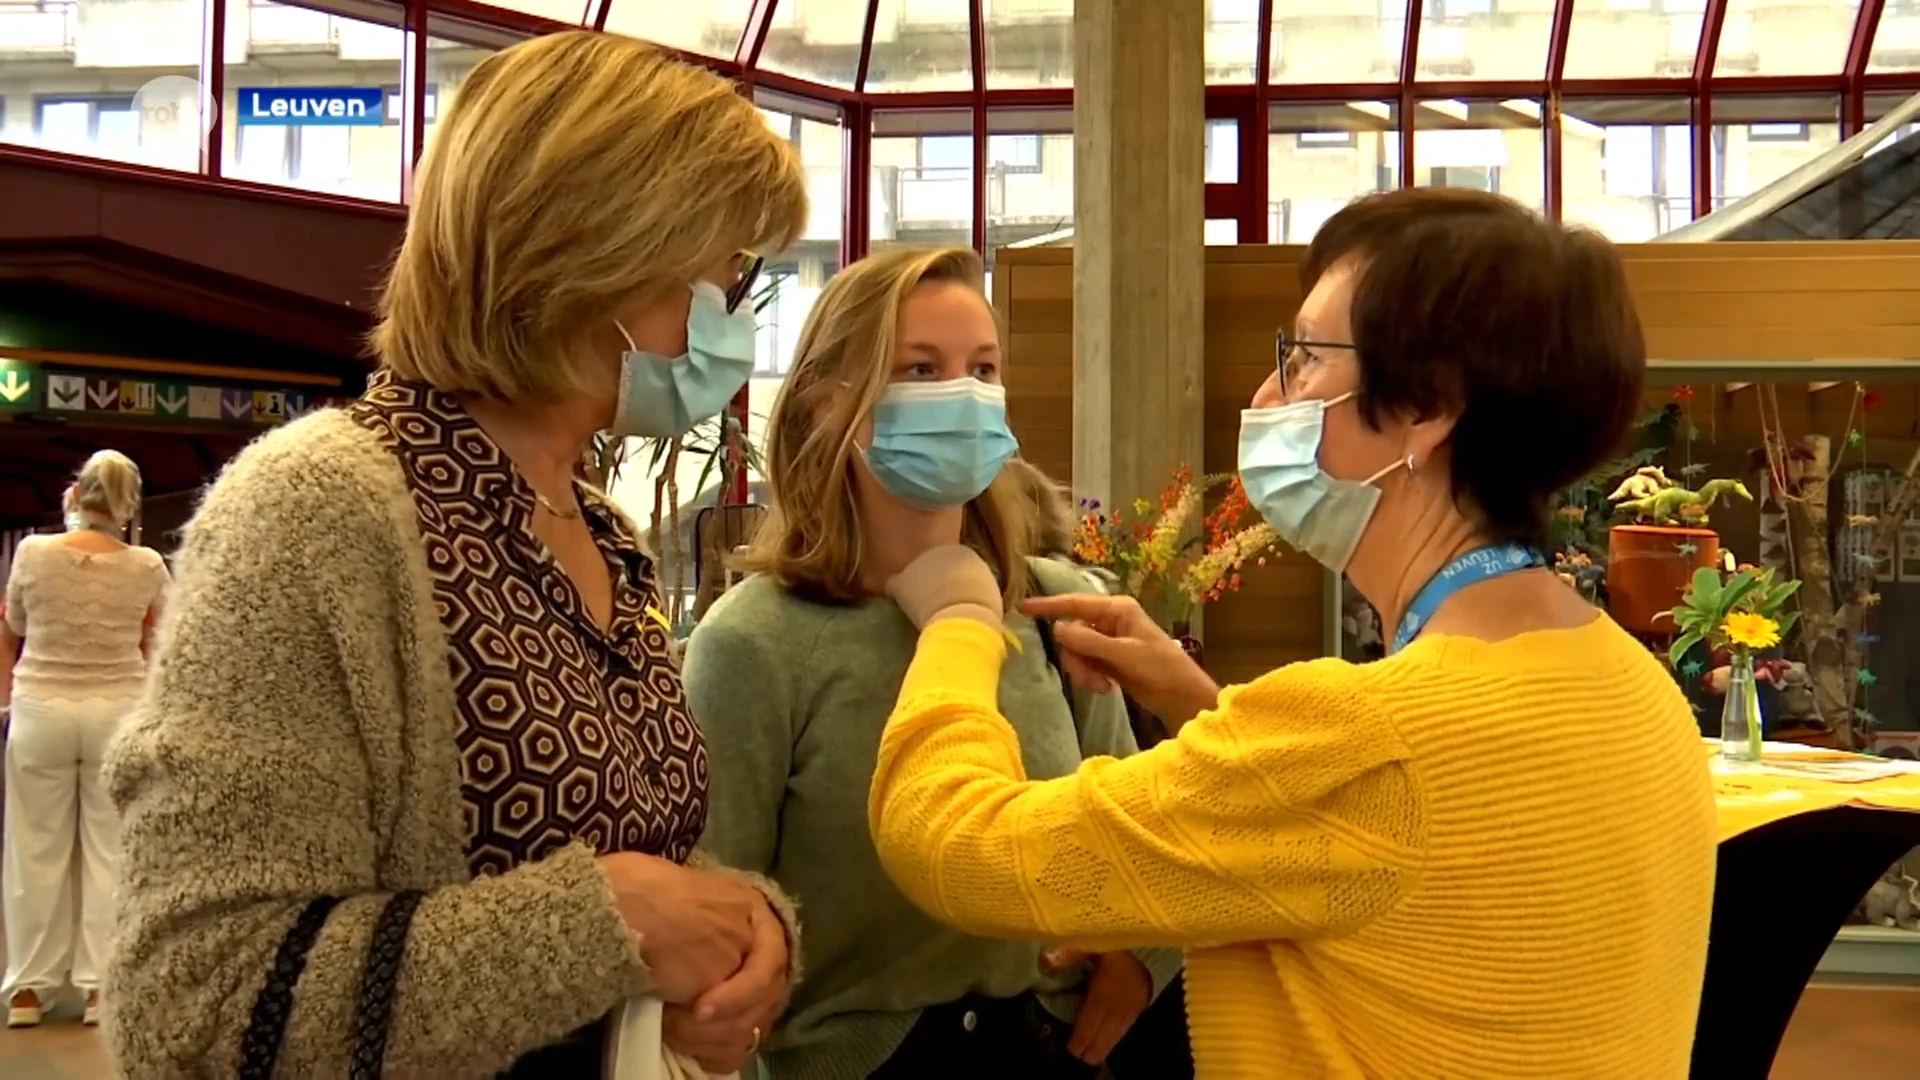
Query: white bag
x=635, y=1050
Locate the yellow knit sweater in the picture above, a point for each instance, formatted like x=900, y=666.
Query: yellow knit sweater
x=1469, y=861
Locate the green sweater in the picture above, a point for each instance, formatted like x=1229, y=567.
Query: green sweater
x=792, y=696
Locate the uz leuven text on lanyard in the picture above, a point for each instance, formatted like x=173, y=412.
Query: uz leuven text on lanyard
x=1476, y=566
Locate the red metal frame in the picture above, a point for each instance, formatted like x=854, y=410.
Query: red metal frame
x=413, y=109
x=977, y=28
x=1553, y=147
x=1246, y=200
x=1407, y=96
x=1853, y=104
x=753, y=38
x=213, y=83
x=1704, y=60
x=1254, y=167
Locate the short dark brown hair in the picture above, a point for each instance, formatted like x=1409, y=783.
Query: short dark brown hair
x=1469, y=303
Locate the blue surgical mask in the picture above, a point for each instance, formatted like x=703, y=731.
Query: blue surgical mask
x=1319, y=514
x=661, y=397
x=940, y=444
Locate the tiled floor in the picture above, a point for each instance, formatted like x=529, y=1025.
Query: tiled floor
x=1840, y=1033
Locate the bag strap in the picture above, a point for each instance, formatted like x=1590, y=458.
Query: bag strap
x=373, y=1012
x=1044, y=628
x=267, y=1026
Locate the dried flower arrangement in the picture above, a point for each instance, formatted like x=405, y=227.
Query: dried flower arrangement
x=1173, y=557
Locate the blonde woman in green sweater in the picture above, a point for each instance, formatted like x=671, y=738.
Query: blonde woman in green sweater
x=890, y=437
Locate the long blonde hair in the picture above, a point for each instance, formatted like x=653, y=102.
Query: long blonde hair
x=811, y=541
x=573, y=173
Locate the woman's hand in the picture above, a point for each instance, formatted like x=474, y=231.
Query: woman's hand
x=947, y=582
x=724, y=1027
x=1119, y=991
x=696, y=927
x=1107, y=641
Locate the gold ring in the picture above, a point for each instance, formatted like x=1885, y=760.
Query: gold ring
x=756, y=1041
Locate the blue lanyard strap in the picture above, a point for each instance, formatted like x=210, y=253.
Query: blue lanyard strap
x=1476, y=566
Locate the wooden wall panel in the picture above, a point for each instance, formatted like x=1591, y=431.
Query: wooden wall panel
x=1749, y=304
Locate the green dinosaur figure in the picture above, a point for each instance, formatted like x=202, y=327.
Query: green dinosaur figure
x=1667, y=505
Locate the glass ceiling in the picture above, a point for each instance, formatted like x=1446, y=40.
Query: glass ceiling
x=842, y=49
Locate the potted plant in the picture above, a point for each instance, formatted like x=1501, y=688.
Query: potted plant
x=1666, y=541
x=1743, y=614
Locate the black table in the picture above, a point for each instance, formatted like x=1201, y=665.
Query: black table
x=1783, y=891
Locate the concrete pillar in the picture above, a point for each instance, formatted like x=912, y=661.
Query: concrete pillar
x=1138, y=263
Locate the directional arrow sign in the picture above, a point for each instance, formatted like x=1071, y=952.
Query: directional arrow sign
x=170, y=398
x=68, y=392
x=136, y=397
x=269, y=406
x=103, y=394
x=16, y=386
x=236, y=404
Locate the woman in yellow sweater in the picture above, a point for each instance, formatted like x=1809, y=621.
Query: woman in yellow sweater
x=1489, y=855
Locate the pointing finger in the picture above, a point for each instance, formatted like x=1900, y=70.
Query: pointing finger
x=1085, y=607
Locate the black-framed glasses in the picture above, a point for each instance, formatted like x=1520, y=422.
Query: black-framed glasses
x=1293, y=355
x=743, y=287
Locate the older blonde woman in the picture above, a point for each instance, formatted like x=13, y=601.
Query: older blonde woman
x=82, y=603
x=890, y=434
x=414, y=778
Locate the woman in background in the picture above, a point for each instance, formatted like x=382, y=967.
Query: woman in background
x=415, y=777
x=890, y=435
x=1381, y=869
x=83, y=602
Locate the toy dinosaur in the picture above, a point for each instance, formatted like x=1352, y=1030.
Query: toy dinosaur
x=1665, y=506
x=1645, y=481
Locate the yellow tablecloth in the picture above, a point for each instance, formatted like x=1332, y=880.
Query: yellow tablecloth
x=1750, y=798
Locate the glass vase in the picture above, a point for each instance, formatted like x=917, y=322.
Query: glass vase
x=1741, y=731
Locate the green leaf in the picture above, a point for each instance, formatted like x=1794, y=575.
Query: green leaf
x=1787, y=621
x=1706, y=587
x=1735, y=590
x=1680, y=646
x=1777, y=596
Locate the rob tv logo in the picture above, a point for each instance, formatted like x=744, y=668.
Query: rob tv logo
x=312, y=106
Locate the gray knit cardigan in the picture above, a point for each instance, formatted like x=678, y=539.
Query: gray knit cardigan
x=296, y=739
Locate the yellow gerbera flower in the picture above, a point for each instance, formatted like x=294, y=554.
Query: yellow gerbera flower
x=1751, y=630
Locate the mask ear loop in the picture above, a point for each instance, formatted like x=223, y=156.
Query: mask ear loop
x=631, y=347
x=1375, y=478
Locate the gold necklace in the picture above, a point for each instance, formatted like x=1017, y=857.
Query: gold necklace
x=547, y=505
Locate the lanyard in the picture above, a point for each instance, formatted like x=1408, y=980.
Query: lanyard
x=1476, y=566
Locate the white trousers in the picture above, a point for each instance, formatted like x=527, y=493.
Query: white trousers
x=57, y=812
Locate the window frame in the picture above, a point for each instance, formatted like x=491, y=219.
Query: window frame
x=1780, y=131
x=391, y=96
x=1016, y=168
x=96, y=104
x=1325, y=140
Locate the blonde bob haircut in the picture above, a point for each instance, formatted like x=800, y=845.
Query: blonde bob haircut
x=574, y=173
x=811, y=541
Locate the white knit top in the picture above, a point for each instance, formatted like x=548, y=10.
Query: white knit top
x=82, y=615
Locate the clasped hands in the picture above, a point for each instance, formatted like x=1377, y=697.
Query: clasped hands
x=1105, y=642
x=717, y=951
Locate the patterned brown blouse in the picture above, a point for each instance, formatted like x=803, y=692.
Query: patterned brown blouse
x=566, y=731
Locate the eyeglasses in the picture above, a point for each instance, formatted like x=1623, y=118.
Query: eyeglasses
x=743, y=287
x=1294, y=358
